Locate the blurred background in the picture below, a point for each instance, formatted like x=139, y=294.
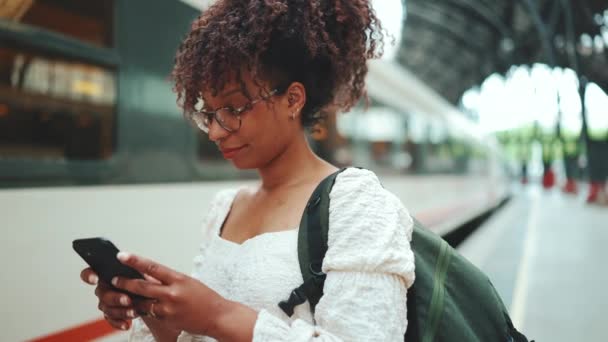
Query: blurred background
x=488, y=118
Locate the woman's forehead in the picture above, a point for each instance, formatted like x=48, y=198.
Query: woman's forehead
x=229, y=89
x=234, y=87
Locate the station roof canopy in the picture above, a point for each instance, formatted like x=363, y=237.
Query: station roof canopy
x=453, y=45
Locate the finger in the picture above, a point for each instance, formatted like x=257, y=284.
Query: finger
x=150, y=308
x=113, y=298
x=140, y=287
x=142, y=307
x=89, y=276
x=103, y=288
x=118, y=323
x=162, y=273
x=151, y=279
x=120, y=313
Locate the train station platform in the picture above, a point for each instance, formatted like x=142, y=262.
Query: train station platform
x=546, y=254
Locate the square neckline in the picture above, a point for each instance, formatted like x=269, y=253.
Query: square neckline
x=227, y=208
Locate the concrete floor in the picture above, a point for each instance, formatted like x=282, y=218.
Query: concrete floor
x=546, y=254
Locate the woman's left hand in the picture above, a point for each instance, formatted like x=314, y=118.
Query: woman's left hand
x=184, y=303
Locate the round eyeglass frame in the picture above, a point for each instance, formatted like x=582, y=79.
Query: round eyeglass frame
x=202, y=118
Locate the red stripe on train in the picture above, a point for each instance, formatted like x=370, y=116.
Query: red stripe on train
x=84, y=332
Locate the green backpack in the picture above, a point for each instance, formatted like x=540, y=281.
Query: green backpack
x=451, y=299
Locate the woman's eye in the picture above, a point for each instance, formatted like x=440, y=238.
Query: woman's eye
x=231, y=110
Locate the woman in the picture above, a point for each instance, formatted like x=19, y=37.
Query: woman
x=263, y=71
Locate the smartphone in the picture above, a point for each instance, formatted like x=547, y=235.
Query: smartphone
x=100, y=254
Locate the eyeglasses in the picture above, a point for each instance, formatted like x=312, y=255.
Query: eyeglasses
x=229, y=118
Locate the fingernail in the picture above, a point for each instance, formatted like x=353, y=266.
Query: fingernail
x=131, y=313
x=93, y=279
x=124, y=300
x=122, y=256
x=115, y=281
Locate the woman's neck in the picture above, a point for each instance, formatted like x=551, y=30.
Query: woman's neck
x=295, y=165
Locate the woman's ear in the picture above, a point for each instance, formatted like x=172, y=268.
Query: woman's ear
x=296, y=96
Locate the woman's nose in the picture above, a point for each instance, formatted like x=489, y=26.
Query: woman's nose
x=216, y=131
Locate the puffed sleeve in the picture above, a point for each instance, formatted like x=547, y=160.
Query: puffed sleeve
x=217, y=209
x=369, y=265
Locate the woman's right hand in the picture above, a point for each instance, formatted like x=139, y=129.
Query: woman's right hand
x=116, y=306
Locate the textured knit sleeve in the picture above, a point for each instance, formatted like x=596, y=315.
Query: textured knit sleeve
x=216, y=211
x=369, y=266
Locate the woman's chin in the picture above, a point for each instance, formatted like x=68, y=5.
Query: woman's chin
x=243, y=164
x=249, y=164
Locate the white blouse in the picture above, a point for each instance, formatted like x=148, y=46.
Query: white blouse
x=369, y=266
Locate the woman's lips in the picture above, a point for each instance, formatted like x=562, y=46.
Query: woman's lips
x=229, y=153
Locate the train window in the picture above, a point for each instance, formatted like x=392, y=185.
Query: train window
x=418, y=130
x=374, y=137
x=55, y=108
x=88, y=21
x=439, y=158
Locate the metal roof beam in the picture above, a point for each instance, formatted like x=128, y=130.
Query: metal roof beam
x=439, y=54
x=488, y=5
x=447, y=81
x=483, y=15
x=541, y=28
x=424, y=16
x=554, y=16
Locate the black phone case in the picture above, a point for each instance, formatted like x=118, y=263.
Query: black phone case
x=100, y=254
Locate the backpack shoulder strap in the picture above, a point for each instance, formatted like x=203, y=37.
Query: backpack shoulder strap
x=312, y=246
x=412, y=333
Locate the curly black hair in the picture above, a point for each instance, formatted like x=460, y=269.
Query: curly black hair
x=324, y=44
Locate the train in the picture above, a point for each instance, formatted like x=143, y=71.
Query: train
x=92, y=143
